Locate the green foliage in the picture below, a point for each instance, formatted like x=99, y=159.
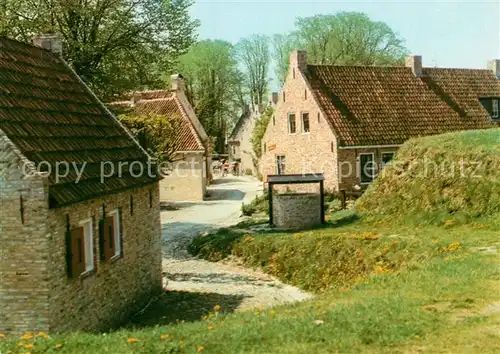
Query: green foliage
x=445, y=179
x=156, y=134
x=259, y=130
x=114, y=45
x=346, y=38
x=212, y=86
x=259, y=205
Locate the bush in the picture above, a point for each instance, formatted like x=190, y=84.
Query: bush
x=248, y=171
x=259, y=205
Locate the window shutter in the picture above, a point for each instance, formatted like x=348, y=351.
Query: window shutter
x=77, y=248
x=106, y=238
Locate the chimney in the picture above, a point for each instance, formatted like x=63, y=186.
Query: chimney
x=177, y=82
x=50, y=41
x=298, y=59
x=494, y=65
x=415, y=63
x=273, y=99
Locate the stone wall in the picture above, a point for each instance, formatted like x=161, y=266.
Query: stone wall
x=117, y=288
x=187, y=181
x=312, y=152
x=296, y=210
x=24, y=246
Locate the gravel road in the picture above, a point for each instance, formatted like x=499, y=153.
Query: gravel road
x=253, y=289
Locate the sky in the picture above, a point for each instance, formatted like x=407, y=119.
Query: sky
x=446, y=33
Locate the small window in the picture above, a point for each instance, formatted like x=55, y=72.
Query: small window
x=280, y=165
x=274, y=121
x=110, y=236
x=265, y=147
x=305, y=123
x=318, y=117
x=495, y=109
x=293, y=73
x=88, y=241
x=283, y=96
x=387, y=157
x=367, y=168
x=292, y=127
x=331, y=146
x=305, y=94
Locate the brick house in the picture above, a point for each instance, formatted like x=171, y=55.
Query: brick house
x=348, y=121
x=189, y=172
x=78, y=251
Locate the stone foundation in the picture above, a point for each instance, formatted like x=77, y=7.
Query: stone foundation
x=296, y=210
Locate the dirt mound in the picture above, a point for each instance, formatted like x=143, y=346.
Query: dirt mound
x=444, y=179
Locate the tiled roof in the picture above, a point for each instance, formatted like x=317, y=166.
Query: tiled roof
x=387, y=105
x=166, y=103
x=50, y=115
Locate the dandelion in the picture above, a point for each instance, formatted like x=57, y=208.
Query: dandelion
x=27, y=336
x=210, y=327
x=42, y=335
x=200, y=348
x=2, y=335
x=217, y=308
x=379, y=270
x=164, y=336
x=131, y=340
x=59, y=346
x=272, y=312
x=28, y=346
x=417, y=337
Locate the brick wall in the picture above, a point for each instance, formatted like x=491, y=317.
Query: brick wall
x=349, y=168
x=24, y=247
x=117, y=288
x=187, y=180
x=311, y=152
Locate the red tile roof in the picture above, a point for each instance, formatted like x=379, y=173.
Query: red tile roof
x=166, y=103
x=388, y=105
x=50, y=115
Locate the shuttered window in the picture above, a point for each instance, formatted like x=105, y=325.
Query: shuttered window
x=76, y=252
x=110, y=236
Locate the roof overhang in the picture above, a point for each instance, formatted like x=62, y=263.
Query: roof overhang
x=369, y=146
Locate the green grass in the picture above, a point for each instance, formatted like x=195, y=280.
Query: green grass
x=451, y=178
x=403, y=275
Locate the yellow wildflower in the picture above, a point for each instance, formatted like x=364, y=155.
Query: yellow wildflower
x=28, y=346
x=42, y=335
x=131, y=340
x=217, y=308
x=2, y=335
x=27, y=336
x=59, y=346
x=164, y=336
x=200, y=348
x=210, y=327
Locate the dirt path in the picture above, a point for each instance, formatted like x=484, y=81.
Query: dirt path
x=243, y=288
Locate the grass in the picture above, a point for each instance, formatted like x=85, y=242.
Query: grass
x=383, y=285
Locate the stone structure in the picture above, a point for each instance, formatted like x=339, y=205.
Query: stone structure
x=296, y=210
x=77, y=252
x=348, y=121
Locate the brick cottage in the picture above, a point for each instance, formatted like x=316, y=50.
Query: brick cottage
x=348, y=121
x=189, y=173
x=76, y=252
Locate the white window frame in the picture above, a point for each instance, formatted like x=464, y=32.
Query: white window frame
x=279, y=163
x=393, y=153
x=117, y=231
x=360, y=167
x=302, y=122
x=88, y=241
x=289, y=125
x=495, y=109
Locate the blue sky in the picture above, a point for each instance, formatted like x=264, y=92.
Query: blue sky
x=446, y=33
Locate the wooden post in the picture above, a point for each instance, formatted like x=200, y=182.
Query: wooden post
x=270, y=196
x=322, y=199
x=343, y=199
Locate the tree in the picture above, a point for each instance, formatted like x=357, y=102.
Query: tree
x=213, y=86
x=253, y=53
x=260, y=129
x=346, y=38
x=283, y=45
x=114, y=45
x=156, y=134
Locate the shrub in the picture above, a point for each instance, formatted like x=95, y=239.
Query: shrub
x=259, y=205
x=248, y=171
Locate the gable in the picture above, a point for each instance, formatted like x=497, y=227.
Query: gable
x=53, y=118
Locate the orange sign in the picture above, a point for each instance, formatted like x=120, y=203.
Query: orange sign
x=272, y=147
